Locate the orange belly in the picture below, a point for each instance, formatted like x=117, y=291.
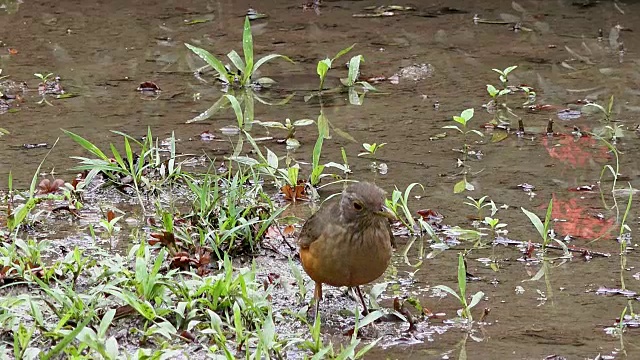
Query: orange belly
x=337, y=264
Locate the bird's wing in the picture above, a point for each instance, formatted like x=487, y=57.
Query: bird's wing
x=318, y=224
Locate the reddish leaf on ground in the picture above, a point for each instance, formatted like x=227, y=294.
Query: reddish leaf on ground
x=165, y=238
x=47, y=187
x=110, y=215
x=295, y=193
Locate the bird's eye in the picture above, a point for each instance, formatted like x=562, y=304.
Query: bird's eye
x=357, y=206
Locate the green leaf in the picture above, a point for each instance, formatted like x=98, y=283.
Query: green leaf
x=342, y=52
x=467, y=114
x=245, y=160
x=323, y=126
x=354, y=69
x=247, y=48
x=354, y=97
x=459, y=186
x=509, y=69
x=475, y=299
x=535, y=220
x=454, y=127
x=271, y=124
x=270, y=57
x=111, y=347
x=217, y=106
x=236, y=108
x=371, y=317
x=236, y=60
x=323, y=67
x=303, y=122
x=492, y=90
x=462, y=277
x=211, y=61
x=448, y=290
x=343, y=133
x=460, y=120
x=272, y=159
x=60, y=346
x=317, y=150
x=105, y=322
x=86, y=145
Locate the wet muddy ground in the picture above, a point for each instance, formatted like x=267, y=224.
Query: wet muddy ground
x=103, y=51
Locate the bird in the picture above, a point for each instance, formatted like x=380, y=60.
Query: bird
x=348, y=241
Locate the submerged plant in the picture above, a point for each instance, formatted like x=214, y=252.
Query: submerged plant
x=609, y=131
x=245, y=68
x=462, y=127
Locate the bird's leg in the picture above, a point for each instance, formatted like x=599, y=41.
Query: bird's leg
x=365, y=310
x=317, y=295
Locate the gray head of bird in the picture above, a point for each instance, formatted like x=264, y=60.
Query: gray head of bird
x=363, y=201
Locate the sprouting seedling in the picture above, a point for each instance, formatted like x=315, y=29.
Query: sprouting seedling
x=543, y=228
x=290, y=127
x=504, y=79
x=461, y=295
x=356, y=98
x=317, y=168
x=463, y=120
x=43, y=78
x=504, y=74
x=109, y=223
x=371, y=149
x=609, y=130
x=326, y=64
x=605, y=111
x=462, y=127
x=480, y=204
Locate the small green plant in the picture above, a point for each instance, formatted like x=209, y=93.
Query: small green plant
x=290, y=127
x=481, y=204
x=109, y=222
x=349, y=83
x=324, y=65
x=316, y=168
x=498, y=104
x=43, y=78
x=462, y=127
x=20, y=214
x=356, y=97
x=136, y=170
x=609, y=131
x=321, y=351
x=543, y=228
x=399, y=206
x=461, y=295
x=245, y=69
x=371, y=149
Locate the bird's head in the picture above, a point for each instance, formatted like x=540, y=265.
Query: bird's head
x=363, y=200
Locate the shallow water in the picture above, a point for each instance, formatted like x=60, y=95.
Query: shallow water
x=103, y=51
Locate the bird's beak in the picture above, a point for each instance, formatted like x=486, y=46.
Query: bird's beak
x=386, y=212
